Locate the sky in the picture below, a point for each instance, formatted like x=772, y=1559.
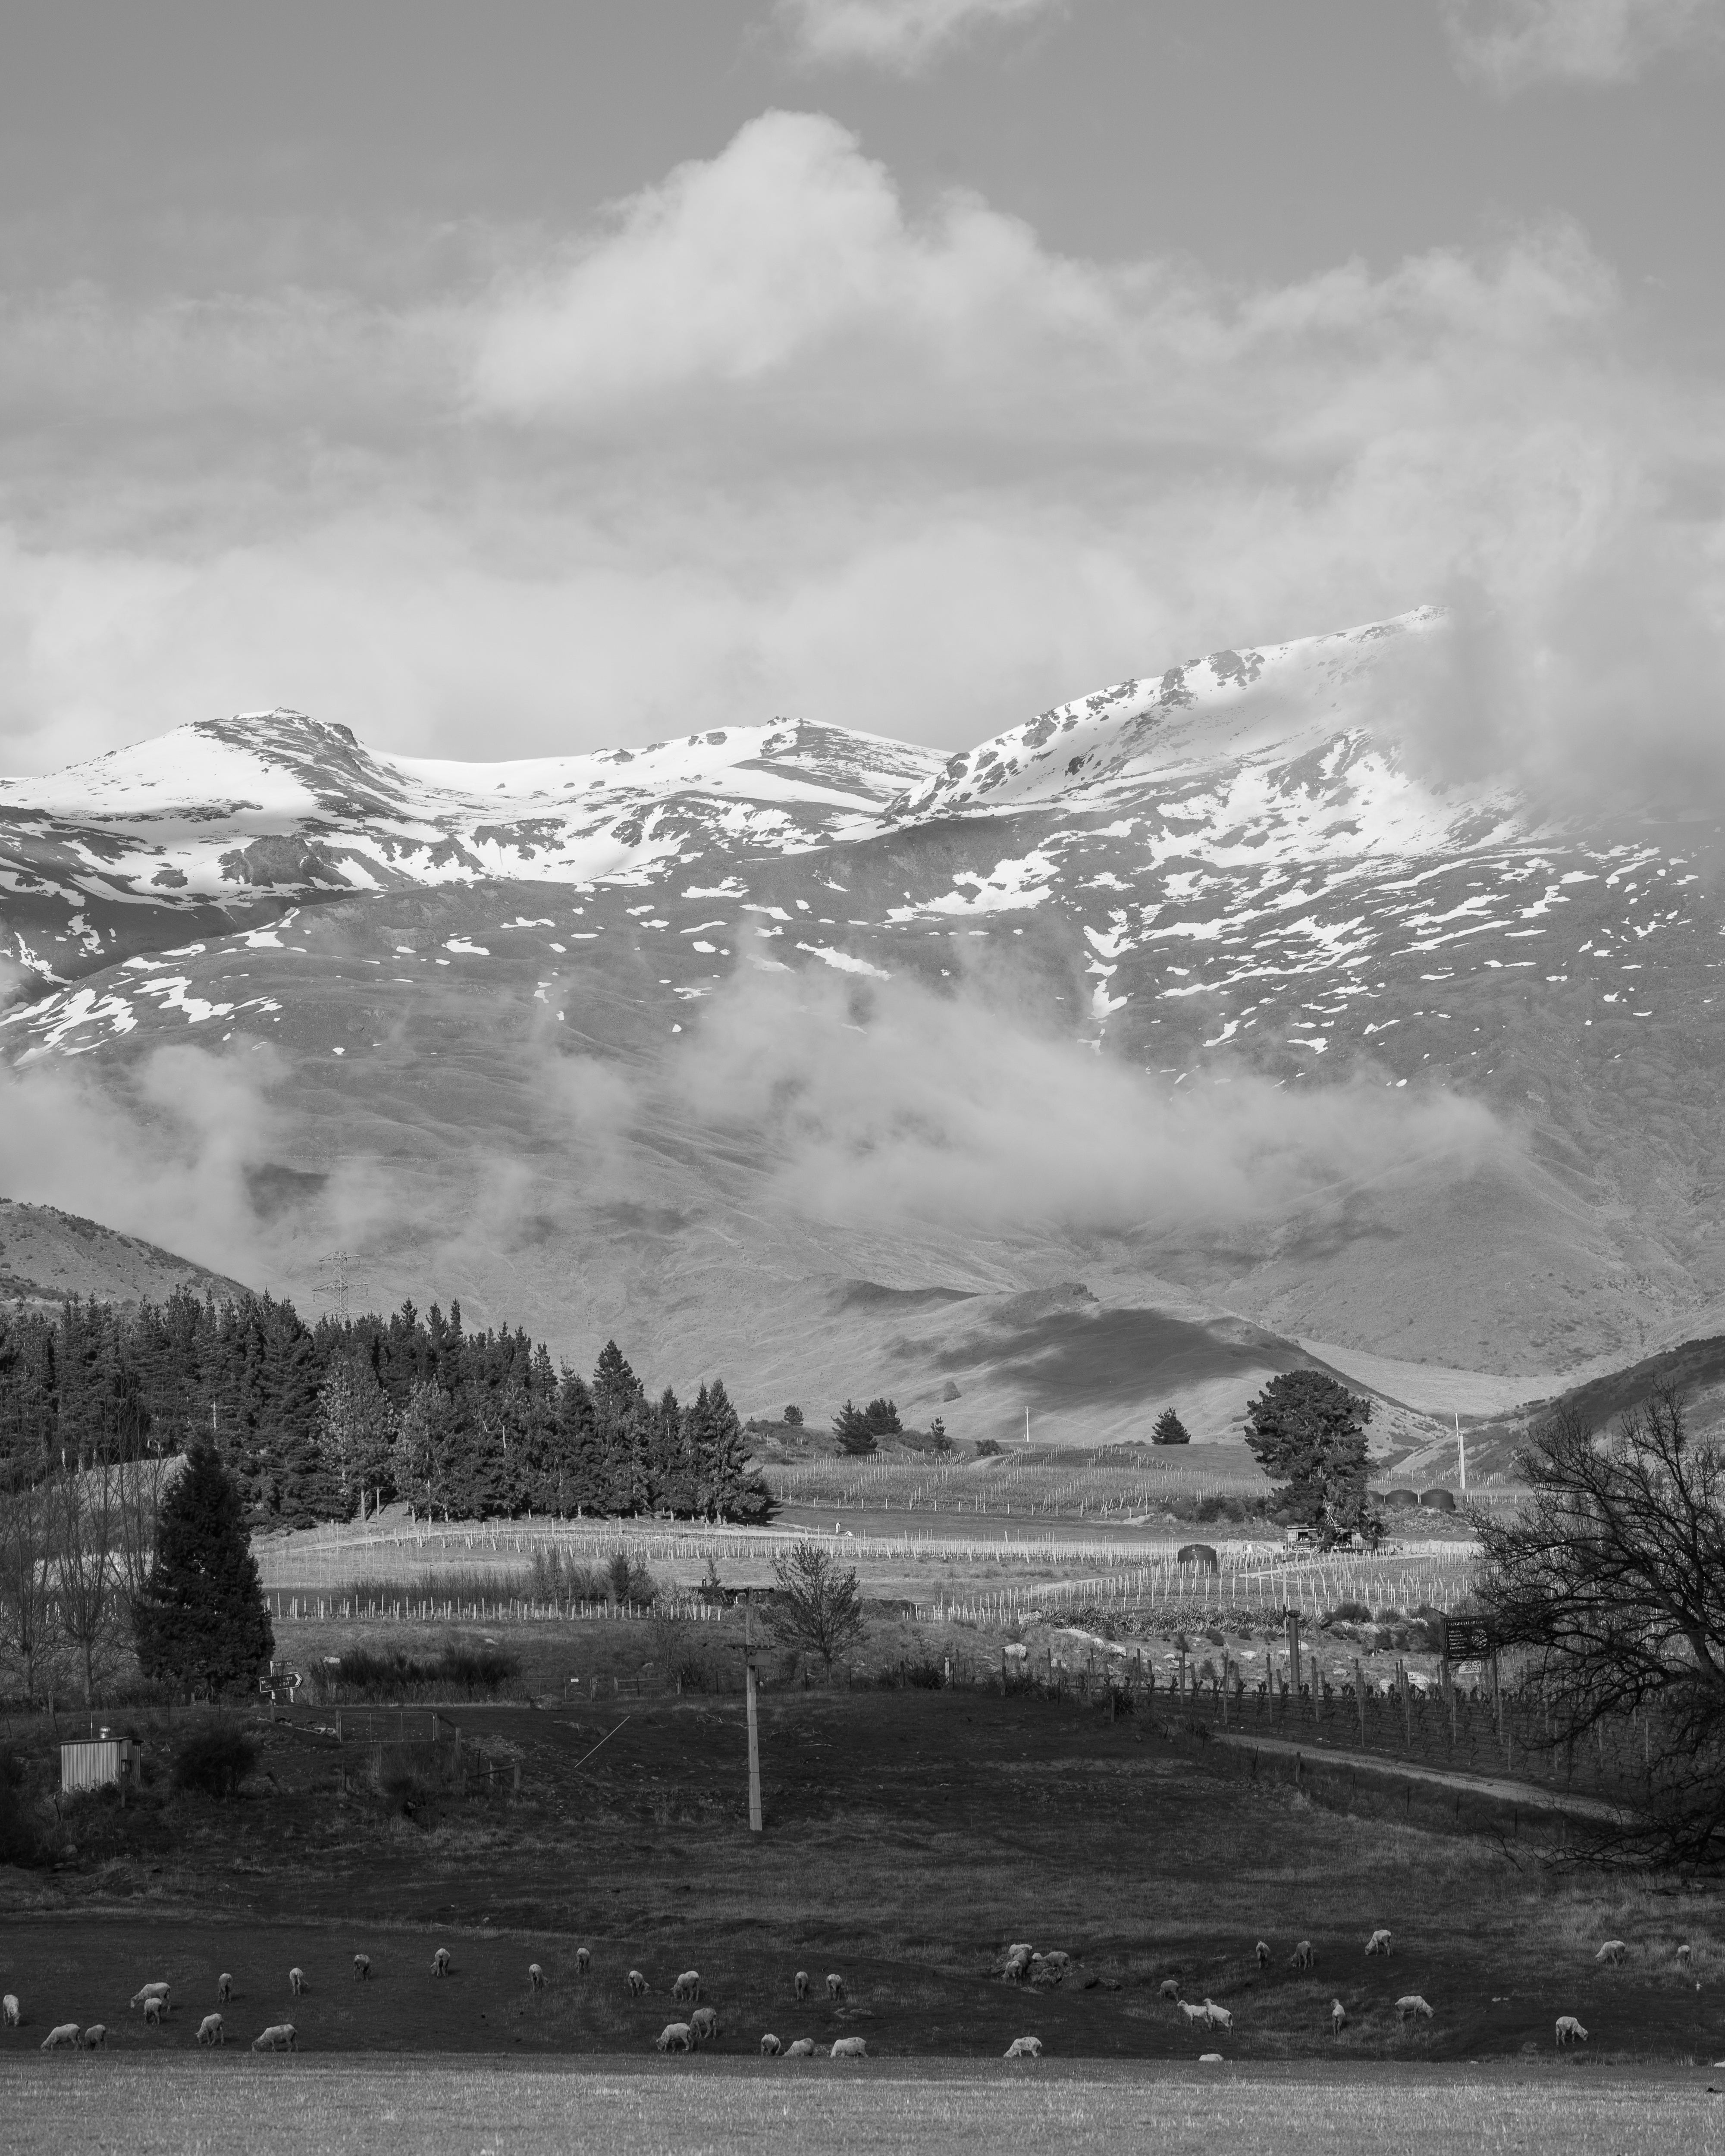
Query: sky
x=530, y=378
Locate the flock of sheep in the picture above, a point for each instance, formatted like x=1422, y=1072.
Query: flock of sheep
x=1411, y=2006
x=1023, y=1965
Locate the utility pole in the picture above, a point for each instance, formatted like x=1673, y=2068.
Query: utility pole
x=1461, y=1453
x=748, y=1681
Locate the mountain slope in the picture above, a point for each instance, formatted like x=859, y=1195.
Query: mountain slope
x=48, y=1257
x=649, y=1043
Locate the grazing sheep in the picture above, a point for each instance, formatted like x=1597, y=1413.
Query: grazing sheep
x=703, y=2024
x=1338, y=2017
x=771, y=2048
x=687, y=1988
x=296, y=1982
x=1683, y=1957
x=152, y=2012
x=1018, y=1961
x=1614, y=1951
x=1024, y=2047
x=1054, y=1958
x=224, y=1985
x=583, y=1961
x=1195, y=2013
x=62, y=2039
x=1379, y=1943
x=362, y=1968
x=851, y=2047
x=211, y=2030
x=675, y=2036
x=1410, y=2005
x=1210, y=2059
x=1218, y=2017
x=803, y=2048
x=1569, y=2030
x=1263, y=1954
x=1304, y=1956
x=11, y=2009
x=149, y=1991
x=835, y=1988
x=801, y=1985
x=1170, y=1988
x=279, y=2036
x=440, y=1961
x=535, y=1977
x=637, y=1984
x=95, y=2037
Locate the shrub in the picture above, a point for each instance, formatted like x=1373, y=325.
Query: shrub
x=628, y=1579
x=1349, y=1613
x=214, y=1757
x=20, y=1842
x=473, y=1672
x=925, y=1674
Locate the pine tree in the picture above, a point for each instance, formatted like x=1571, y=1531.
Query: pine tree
x=850, y=1425
x=1306, y=1426
x=1170, y=1429
x=202, y=1623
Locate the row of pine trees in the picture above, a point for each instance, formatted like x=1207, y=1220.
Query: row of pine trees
x=314, y=1422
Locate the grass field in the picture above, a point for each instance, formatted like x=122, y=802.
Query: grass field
x=418, y=2107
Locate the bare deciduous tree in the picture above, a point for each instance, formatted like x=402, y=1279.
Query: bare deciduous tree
x=818, y=1607
x=26, y=1584
x=1614, y=1575
x=85, y=1579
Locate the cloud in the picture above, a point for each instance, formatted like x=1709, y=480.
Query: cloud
x=1514, y=44
x=891, y=1102
x=902, y=35
x=769, y=437
x=164, y=1151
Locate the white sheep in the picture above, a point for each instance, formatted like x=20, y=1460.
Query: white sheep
x=142, y=1996
x=279, y=2036
x=1683, y=1956
x=851, y=2047
x=11, y=2010
x=1263, y=1951
x=1338, y=2017
x=637, y=1984
x=583, y=1961
x=771, y=2048
x=1195, y=2013
x=801, y=1985
x=1412, y=2005
x=1024, y=2047
x=362, y=1968
x=224, y=1986
x=1304, y=1956
x=296, y=1982
x=535, y=1977
x=1614, y=1951
x=675, y=2036
x=803, y=2048
x=835, y=1988
x=95, y=2037
x=1017, y=1962
x=152, y=2012
x=1569, y=2030
x=1379, y=1943
x=211, y=2030
x=687, y=1988
x=440, y=1961
x=705, y=2025
x=1210, y=2059
x=1170, y=1988
x=1218, y=2017
x=62, y=2038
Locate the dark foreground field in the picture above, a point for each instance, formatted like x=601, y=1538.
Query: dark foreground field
x=402, y=2107
x=912, y=1837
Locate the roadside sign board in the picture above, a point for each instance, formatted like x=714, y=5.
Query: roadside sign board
x=1468, y=1639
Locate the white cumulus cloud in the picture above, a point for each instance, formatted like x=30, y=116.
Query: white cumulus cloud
x=902, y=35
x=1514, y=43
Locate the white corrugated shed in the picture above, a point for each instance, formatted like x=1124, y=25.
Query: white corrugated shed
x=92, y=1762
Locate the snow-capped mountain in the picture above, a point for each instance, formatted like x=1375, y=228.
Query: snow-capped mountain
x=1229, y=867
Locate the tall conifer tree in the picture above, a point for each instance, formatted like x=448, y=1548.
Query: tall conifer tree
x=201, y=1623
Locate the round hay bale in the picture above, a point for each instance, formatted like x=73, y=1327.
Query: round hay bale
x=1201, y=1555
x=1438, y=1500
x=1399, y=1500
